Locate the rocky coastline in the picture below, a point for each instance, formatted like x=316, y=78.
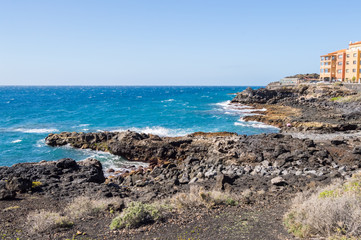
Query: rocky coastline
x=263, y=170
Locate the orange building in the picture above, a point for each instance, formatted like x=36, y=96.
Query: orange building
x=342, y=65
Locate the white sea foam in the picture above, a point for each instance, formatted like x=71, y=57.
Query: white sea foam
x=253, y=124
x=160, y=131
x=16, y=141
x=234, y=109
x=109, y=160
x=168, y=100
x=36, y=130
x=40, y=143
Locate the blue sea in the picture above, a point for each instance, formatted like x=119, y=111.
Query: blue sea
x=29, y=114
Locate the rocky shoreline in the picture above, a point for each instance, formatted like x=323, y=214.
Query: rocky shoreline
x=261, y=169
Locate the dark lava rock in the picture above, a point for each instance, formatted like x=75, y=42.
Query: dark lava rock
x=19, y=184
x=60, y=179
x=5, y=193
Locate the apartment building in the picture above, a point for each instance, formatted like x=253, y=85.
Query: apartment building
x=342, y=65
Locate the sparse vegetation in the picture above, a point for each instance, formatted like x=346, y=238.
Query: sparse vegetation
x=11, y=208
x=41, y=221
x=84, y=206
x=333, y=212
x=351, y=98
x=336, y=98
x=35, y=184
x=305, y=76
x=137, y=214
x=199, y=197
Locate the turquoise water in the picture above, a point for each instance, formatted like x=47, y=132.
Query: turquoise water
x=29, y=114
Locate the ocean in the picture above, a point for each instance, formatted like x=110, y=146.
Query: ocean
x=29, y=114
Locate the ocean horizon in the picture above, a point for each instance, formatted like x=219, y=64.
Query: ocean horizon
x=29, y=113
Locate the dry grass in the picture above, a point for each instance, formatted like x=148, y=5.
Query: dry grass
x=85, y=206
x=41, y=221
x=334, y=211
x=198, y=197
x=81, y=207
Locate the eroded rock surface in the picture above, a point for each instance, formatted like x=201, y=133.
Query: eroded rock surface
x=305, y=108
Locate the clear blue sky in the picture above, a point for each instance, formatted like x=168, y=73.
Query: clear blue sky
x=169, y=42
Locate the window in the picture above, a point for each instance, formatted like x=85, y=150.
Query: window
x=354, y=62
x=339, y=63
x=355, y=54
x=348, y=55
x=321, y=71
x=353, y=70
x=322, y=64
x=327, y=70
x=347, y=70
x=333, y=57
x=339, y=71
x=340, y=56
x=322, y=58
x=347, y=62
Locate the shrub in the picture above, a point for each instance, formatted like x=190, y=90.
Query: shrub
x=199, y=197
x=42, y=220
x=35, y=184
x=334, y=211
x=336, y=98
x=137, y=214
x=84, y=206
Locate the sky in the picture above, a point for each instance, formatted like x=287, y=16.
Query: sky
x=169, y=42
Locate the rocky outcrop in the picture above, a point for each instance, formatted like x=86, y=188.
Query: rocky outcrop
x=223, y=161
x=309, y=108
x=228, y=148
x=64, y=178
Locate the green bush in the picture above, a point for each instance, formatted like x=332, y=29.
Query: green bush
x=137, y=214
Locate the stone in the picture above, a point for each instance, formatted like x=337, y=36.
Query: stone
x=210, y=173
x=278, y=181
x=222, y=181
x=193, y=180
x=184, y=179
x=66, y=163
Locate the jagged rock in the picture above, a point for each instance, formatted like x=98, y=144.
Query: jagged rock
x=59, y=179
